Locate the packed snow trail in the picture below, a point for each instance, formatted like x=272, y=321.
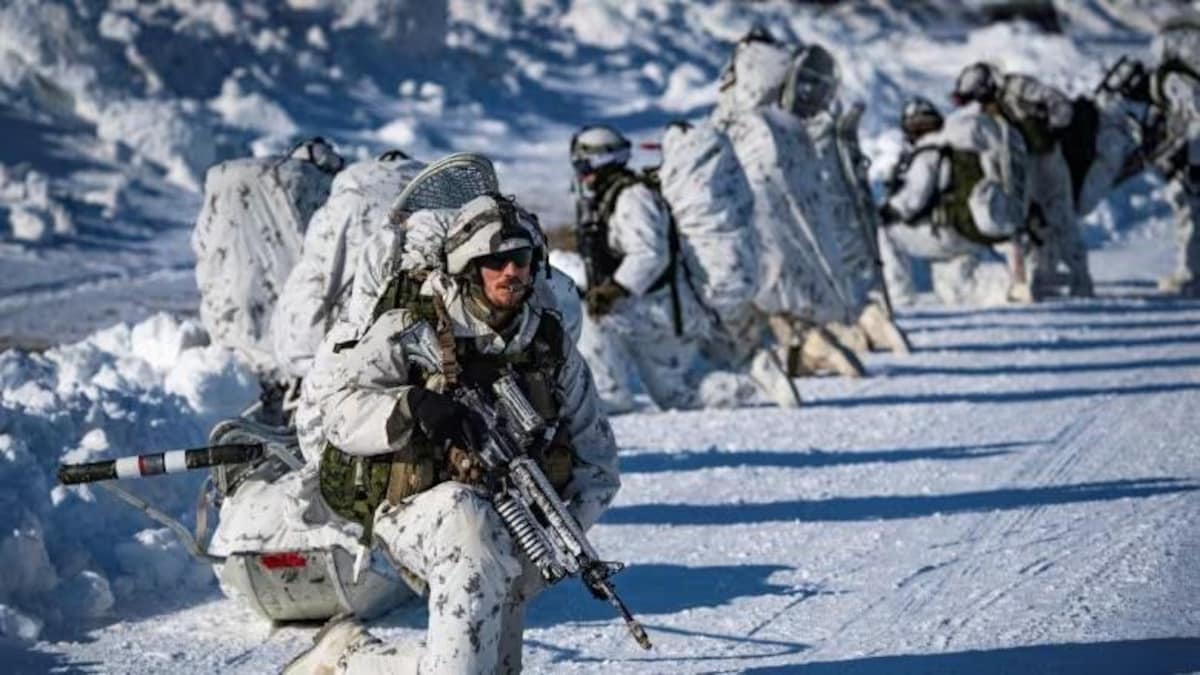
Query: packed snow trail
x=1019, y=495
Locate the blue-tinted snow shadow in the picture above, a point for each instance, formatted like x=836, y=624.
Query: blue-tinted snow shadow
x=660, y=589
x=670, y=589
x=19, y=658
x=1069, y=343
x=890, y=507
x=1108, y=305
x=1022, y=396
x=1144, y=324
x=711, y=458
x=1165, y=656
x=1039, y=368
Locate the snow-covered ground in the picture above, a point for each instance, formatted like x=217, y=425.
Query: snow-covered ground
x=1021, y=495
x=1017, y=496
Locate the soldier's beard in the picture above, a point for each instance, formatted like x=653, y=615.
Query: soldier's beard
x=508, y=295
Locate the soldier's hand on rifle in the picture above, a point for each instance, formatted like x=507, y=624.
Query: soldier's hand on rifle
x=445, y=420
x=600, y=300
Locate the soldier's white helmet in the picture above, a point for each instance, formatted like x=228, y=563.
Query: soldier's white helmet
x=977, y=82
x=487, y=225
x=812, y=82
x=919, y=117
x=597, y=146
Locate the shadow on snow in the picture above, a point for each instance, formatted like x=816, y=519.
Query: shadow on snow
x=1021, y=396
x=847, y=509
x=1165, y=656
x=711, y=458
x=1042, y=368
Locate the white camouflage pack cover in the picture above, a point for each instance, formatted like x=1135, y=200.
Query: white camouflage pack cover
x=247, y=238
x=318, y=288
x=814, y=262
x=711, y=203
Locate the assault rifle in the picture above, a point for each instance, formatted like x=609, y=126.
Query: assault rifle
x=589, y=233
x=528, y=504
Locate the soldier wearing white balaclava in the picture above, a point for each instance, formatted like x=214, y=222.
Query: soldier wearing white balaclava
x=1042, y=114
x=641, y=307
x=398, y=457
x=958, y=189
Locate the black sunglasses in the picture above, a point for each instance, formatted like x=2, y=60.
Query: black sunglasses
x=520, y=257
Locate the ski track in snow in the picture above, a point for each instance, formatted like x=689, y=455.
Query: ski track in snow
x=1019, y=495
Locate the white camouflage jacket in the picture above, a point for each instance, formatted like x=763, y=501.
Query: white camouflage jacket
x=998, y=201
x=358, y=388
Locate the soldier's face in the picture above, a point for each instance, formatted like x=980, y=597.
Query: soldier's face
x=506, y=278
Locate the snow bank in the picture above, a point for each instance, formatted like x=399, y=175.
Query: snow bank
x=71, y=553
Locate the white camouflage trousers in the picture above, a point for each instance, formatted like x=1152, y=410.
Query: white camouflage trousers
x=1061, y=237
x=668, y=365
x=451, y=537
x=1185, y=201
x=960, y=277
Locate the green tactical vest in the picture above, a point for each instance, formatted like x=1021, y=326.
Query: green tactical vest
x=953, y=208
x=355, y=486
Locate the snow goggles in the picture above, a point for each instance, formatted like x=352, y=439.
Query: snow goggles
x=521, y=257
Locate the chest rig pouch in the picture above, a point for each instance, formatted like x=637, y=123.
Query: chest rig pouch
x=355, y=486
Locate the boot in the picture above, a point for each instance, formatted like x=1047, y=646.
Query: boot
x=1174, y=283
x=822, y=352
x=771, y=379
x=881, y=330
x=341, y=634
x=852, y=336
x=1020, y=293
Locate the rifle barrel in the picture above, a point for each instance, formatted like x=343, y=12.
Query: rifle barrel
x=157, y=463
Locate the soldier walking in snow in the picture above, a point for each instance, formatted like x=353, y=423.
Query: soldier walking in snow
x=400, y=456
x=641, y=303
x=1042, y=114
x=958, y=189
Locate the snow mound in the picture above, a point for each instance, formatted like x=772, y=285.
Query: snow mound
x=72, y=553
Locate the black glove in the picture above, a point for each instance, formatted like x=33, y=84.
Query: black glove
x=888, y=215
x=445, y=420
x=600, y=300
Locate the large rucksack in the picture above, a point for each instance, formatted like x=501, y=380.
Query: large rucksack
x=247, y=238
x=710, y=202
x=318, y=287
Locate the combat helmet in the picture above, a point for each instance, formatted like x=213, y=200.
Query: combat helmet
x=977, y=82
x=597, y=146
x=488, y=225
x=919, y=117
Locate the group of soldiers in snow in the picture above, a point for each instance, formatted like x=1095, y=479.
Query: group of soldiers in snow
x=751, y=255
x=1018, y=163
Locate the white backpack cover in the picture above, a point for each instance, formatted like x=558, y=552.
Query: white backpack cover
x=753, y=78
x=318, y=288
x=812, y=264
x=247, y=238
x=711, y=203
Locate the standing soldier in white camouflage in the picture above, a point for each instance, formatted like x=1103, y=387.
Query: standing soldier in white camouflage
x=1042, y=114
x=640, y=300
x=400, y=454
